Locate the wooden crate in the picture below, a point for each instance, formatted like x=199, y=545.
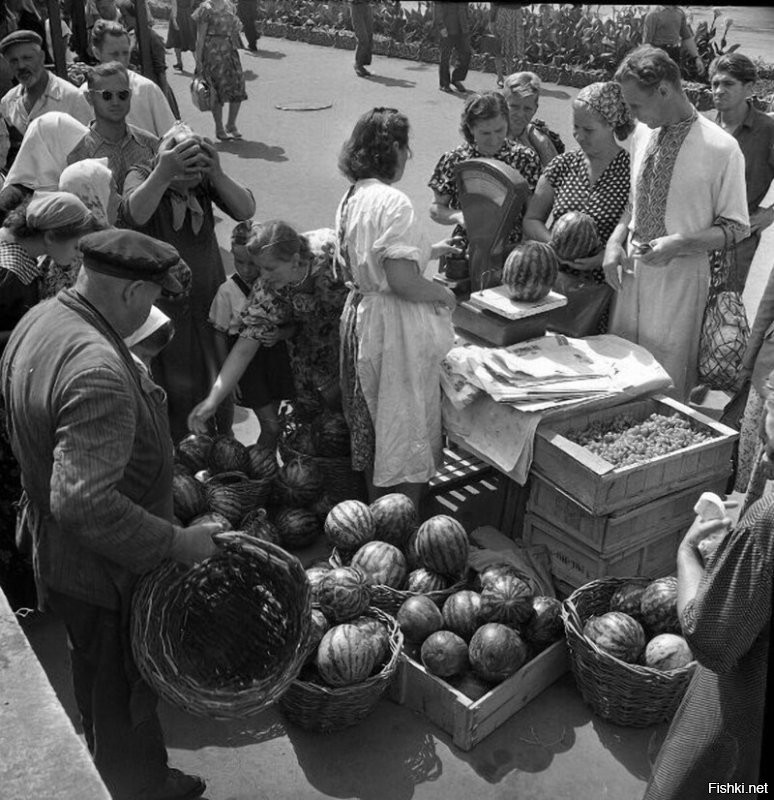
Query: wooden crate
x=603, y=488
x=466, y=720
x=574, y=564
x=611, y=533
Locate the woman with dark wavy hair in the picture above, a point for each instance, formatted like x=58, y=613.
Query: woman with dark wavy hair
x=396, y=324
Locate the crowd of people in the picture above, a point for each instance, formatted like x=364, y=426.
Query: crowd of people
x=108, y=228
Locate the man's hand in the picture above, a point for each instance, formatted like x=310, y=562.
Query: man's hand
x=194, y=543
x=614, y=263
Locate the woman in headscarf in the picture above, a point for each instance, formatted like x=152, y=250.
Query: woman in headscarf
x=92, y=182
x=172, y=200
x=593, y=179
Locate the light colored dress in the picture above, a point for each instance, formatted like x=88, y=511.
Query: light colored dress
x=400, y=344
x=696, y=179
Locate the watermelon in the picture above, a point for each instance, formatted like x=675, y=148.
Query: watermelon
x=256, y=523
x=343, y=594
x=224, y=500
x=179, y=468
x=189, y=497
x=667, y=651
x=530, y=271
x=461, y=613
x=545, y=626
x=496, y=652
x=262, y=462
x=412, y=556
x=227, y=455
x=495, y=570
x=331, y=436
x=395, y=518
x=298, y=483
x=442, y=546
x=418, y=617
x=318, y=629
x=349, y=525
x=626, y=599
x=617, y=634
x=574, y=235
x=321, y=507
x=423, y=580
x=506, y=599
x=194, y=451
x=315, y=574
x=344, y=656
x=471, y=685
x=212, y=516
x=301, y=440
x=382, y=563
x=444, y=654
x=658, y=606
x=297, y=527
x=378, y=638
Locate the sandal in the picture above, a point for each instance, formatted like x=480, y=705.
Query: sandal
x=234, y=133
x=500, y=83
x=224, y=136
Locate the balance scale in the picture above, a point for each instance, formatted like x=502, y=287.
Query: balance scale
x=492, y=196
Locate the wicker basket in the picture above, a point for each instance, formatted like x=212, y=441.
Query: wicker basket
x=390, y=600
x=324, y=708
x=228, y=636
x=631, y=695
x=341, y=481
x=252, y=493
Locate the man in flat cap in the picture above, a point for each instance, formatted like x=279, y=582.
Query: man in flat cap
x=37, y=91
x=91, y=435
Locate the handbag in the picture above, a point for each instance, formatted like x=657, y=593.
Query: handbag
x=200, y=94
x=724, y=329
x=587, y=302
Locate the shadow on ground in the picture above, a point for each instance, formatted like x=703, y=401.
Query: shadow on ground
x=275, y=55
x=385, y=81
x=249, y=75
x=244, y=148
x=559, y=94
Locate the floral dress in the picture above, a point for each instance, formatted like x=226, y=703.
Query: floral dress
x=221, y=67
x=314, y=307
x=515, y=155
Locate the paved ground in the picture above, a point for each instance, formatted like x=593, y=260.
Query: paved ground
x=555, y=748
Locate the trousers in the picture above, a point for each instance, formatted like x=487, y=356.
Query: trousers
x=363, y=25
x=247, y=11
x=461, y=45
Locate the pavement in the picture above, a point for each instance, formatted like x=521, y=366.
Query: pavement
x=554, y=748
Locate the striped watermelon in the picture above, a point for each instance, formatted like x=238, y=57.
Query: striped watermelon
x=658, y=606
x=331, y=435
x=412, y=556
x=423, y=580
x=212, y=516
x=194, y=451
x=189, y=497
x=461, y=613
x=224, y=500
x=395, y=518
x=496, y=652
x=297, y=527
x=442, y=546
x=378, y=638
x=298, y=483
x=545, y=626
x=667, y=651
x=617, y=634
x=318, y=629
x=506, y=599
x=530, y=271
x=262, y=462
x=495, y=570
x=343, y=594
x=344, y=656
x=256, y=523
x=321, y=507
x=382, y=563
x=574, y=235
x=315, y=574
x=444, y=654
x=627, y=598
x=227, y=455
x=349, y=525
x=418, y=617
x=178, y=468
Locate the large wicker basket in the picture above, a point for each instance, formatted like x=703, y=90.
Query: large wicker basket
x=228, y=636
x=390, y=600
x=252, y=493
x=631, y=695
x=324, y=708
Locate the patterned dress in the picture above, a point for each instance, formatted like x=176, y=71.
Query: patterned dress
x=515, y=155
x=183, y=35
x=509, y=27
x=221, y=67
x=716, y=732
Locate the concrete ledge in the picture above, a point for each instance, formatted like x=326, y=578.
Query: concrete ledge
x=43, y=757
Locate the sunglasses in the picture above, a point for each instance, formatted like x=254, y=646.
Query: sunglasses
x=107, y=95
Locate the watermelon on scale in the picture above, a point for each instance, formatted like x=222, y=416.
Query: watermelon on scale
x=574, y=235
x=530, y=271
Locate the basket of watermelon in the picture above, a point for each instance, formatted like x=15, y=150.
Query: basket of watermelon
x=351, y=657
x=399, y=558
x=226, y=637
x=629, y=660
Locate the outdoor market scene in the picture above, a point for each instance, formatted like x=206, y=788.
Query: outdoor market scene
x=385, y=400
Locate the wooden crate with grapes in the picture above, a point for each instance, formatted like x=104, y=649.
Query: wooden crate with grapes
x=628, y=455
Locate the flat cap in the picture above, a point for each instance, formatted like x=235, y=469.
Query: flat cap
x=132, y=256
x=20, y=37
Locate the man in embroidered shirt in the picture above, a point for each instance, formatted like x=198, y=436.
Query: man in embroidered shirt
x=91, y=435
x=38, y=91
x=687, y=198
x=110, y=135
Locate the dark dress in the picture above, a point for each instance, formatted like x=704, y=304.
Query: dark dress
x=716, y=732
x=187, y=367
x=182, y=37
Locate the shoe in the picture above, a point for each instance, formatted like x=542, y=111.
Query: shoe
x=446, y=88
x=234, y=133
x=500, y=83
x=361, y=72
x=253, y=48
x=178, y=66
x=176, y=786
x=224, y=136
x=459, y=86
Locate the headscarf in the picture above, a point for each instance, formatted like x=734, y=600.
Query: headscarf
x=91, y=181
x=188, y=202
x=154, y=321
x=42, y=156
x=48, y=211
x=607, y=100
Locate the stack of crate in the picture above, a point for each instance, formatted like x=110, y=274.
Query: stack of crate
x=598, y=520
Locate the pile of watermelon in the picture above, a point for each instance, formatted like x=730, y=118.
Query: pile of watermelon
x=476, y=640
x=208, y=470
x=326, y=436
x=642, y=626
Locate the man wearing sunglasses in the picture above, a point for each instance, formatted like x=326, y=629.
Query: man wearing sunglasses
x=110, y=135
